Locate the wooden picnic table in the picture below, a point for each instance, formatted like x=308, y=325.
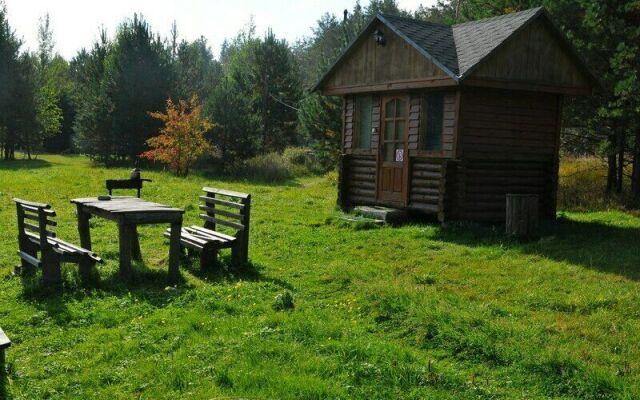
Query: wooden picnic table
x=128, y=213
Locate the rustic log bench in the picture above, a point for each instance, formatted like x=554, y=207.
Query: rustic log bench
x=5, y=343
x=37, y=236
x=221, y=207
x=132, y=183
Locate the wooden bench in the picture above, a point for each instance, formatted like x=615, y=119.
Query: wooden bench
x=133, y=183
x=5, y=343
x=220, y=208
x=35, y=235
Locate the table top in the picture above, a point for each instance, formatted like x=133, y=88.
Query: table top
x=125, y=205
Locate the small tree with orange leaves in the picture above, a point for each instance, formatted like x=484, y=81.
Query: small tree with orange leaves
x=181, y=142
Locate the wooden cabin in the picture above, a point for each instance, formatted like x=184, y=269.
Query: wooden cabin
x=447, y=120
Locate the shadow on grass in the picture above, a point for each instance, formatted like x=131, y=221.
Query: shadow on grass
x=4, y=393
x=596, y=245
x=226, y=271
x=22, y=164
x=145, y=285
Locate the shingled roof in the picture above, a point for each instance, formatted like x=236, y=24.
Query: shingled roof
x=458, y=49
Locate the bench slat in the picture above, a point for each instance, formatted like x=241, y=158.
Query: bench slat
x=225, y=192
x=47, y=211
x=30, y=259
x=35, y=218
x=210, y=232
x=213, y=200
x=222, y=222
x=31, y=203
x=218, y=211
x=37, y=229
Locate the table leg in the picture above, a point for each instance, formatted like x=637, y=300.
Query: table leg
x=135, y=244
x=125, y=250
x=83, y=228
x=174, y=252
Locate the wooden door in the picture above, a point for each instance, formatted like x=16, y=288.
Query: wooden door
x=393, y=157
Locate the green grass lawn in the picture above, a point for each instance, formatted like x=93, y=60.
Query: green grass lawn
x=414, y=312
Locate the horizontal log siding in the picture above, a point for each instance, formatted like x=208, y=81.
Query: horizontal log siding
x=360, y=183
x=509, y=145
x=426, y=189
x=509, y=125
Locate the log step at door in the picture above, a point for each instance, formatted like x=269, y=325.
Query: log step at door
x=391, y=216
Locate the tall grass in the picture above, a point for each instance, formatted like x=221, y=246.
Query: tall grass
x=582, y=186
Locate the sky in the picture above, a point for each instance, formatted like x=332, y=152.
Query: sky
x=76, y=23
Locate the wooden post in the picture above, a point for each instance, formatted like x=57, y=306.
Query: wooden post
x=343, y=196
x=51, y=271
x=522, y=215
x=174, y=251
x=135, y=244
x=83, y=227
x=124, y=232
x=24, y=244
x=240, y=253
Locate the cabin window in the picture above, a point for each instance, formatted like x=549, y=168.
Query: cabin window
x=432, y=121
x=363, y=121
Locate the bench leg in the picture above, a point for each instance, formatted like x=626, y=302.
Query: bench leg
x=174, y=252
x=135, y=244
x=125, y=251
x=86, y=269
x=32, y=250
x=208, y=258
x=51, y=271
x=2, y=362
x=239, y=255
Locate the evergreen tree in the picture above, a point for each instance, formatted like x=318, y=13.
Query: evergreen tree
x=196, y=70
x=137, y=81
x=10, y=83
x=92, y=125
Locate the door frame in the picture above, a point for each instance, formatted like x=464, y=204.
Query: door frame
x=384, y=99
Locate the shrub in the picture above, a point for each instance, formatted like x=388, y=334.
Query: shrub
x=283, y=301
x=301, y=161
x=269, y=167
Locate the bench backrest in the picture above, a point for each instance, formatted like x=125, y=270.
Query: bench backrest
x=35, y=219
x=226, y=208
x=133, y=183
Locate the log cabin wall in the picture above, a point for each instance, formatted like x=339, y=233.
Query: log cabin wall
x=426, y=188
x=508, y=143
x=358, y=172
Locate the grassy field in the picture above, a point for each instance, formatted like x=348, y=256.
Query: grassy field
x=414, y=312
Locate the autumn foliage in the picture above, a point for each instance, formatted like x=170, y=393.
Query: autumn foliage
x=181, y=141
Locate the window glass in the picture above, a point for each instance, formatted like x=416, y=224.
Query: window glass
x=433, y=114
x=363, y=121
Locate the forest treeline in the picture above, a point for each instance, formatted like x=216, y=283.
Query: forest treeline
x=255, y=92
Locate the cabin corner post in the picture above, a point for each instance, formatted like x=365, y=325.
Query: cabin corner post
x=555, y=166
x=343, y=196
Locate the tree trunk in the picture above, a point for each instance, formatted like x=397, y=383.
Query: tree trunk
x=612, y=167
x=635, y=174
x=621, y=147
